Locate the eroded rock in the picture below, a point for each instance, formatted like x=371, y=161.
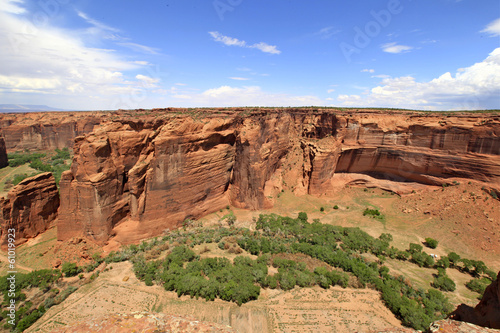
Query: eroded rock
x=29, y=208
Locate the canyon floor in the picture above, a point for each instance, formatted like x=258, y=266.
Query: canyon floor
x=444, y=213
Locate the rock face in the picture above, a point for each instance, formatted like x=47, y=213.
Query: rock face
x=4, y=161
x=160, y=169
x=487, y=311
x=29, y=207
x=442, y=326
x=47, y=130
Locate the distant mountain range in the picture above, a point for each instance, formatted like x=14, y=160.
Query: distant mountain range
x=6, y=108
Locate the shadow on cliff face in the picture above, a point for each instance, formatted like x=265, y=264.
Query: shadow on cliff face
x=487, y=311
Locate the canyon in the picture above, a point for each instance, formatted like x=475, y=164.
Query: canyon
x=159, y=168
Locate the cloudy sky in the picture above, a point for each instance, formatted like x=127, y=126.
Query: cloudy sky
x=94, y=55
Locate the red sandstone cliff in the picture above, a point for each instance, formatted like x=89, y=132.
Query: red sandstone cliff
x=4, y=161
x=161, y=168
x=29, y=207
x=487, y=311
x=46, y=130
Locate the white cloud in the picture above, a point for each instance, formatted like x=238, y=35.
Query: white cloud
x=493, y=28
x=139, y=48
x=226, y=96
x=395, y=48
x=330, y=91
x=265, y=48
x=327, y=32
x=229, y=41
x=96, y=23
x=10, y=6
x=368, y=71
x=474, y=87
x=44, y=64
x=239, y=78
x=146, y=81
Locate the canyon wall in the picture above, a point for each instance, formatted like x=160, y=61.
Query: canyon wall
x=29, y=208
x=4, y=161
x=161, y=168
x=46, y=130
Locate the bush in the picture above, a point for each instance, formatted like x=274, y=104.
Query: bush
x=70, y=269
x=431, y=242
x=444, y=283
x=335, y=207
x=371, y=212
x=478, y=285
x=322, y=209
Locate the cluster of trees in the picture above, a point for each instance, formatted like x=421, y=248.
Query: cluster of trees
x=208, y=278
x=443, y=282
x=26, y=313
x=41, y=162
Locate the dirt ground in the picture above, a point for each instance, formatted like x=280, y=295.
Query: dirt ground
x=299, y=310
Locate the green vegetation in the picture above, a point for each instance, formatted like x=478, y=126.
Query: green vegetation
x=341, y=248
x=27, y=313
x=374, y=213
x=431, y=243
x=54, y=162
x=443, y=282
x=478, y=285
x=70, y=269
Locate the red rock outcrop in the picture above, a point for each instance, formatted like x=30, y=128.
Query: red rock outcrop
x=442, y=326
x=4, y=161
x=29, y=207
x=487, y=311
x=46, y=130
x=162, y=168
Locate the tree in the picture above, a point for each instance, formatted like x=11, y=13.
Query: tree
x=303, y=216
x=454, y=258
x=431, y=242
x=70, y=269
x=415, y=248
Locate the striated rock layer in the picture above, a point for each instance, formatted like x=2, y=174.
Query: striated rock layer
x=46, y=130
x=161, y=168
x=29, y=208
x=4, y=161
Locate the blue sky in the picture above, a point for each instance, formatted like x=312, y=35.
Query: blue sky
x=91, y=55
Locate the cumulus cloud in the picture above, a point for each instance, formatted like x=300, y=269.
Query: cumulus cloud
x=493, y=28
x=230, y=41
x=474, y=87
x=10, y=6
x=46, y=61
x=368, y=71
x=395, y=48
x=225, y=96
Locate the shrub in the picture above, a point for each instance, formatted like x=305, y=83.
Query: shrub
x=371, y=212
x=453, y=258
x=70, y=269
x=444, y=283
x=322, y=209
x=335, y=207
x=431, y=242
x=478, y=285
